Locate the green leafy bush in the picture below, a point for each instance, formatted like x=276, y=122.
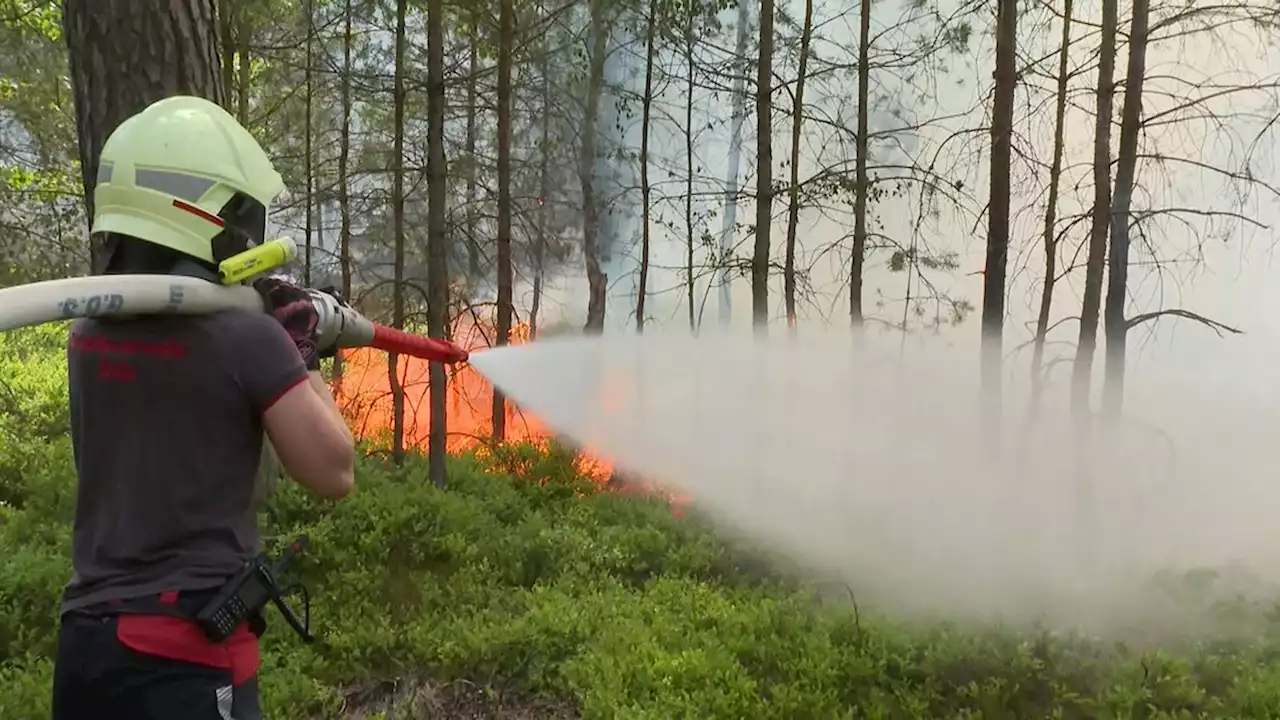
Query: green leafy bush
x=524, y=581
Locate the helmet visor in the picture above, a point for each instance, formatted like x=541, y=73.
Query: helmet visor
x=247, y=218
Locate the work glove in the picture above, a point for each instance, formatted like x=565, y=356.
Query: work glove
x=291, y=306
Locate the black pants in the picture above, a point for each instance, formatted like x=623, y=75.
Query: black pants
x=97, y=677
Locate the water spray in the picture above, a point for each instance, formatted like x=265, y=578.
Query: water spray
x=339, y=325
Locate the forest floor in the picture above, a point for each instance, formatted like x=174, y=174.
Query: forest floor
x=456, y=700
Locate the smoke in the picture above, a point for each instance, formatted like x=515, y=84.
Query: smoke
x=868, y=467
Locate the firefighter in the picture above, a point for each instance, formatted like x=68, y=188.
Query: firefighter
x=168, y=415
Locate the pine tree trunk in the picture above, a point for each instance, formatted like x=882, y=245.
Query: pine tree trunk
x=597, y=282
x=646, y=105
x=793, y=207
x=764, y=172
x=397, y=220
x=1095, y=262
x=1051, y=210
x=308, y=130
x=473, y=244
x=993, y=286
x=1117, y=327
x=437, y=241
x=862, y=187
x=725, y=270
x=690, y=287
x=344, y=159
x=506, y=38
x=544, y=189
x=174, y=40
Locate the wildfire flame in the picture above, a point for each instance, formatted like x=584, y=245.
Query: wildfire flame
x=364, y=395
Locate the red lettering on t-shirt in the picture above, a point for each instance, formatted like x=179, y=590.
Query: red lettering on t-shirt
x=167, y=349
x=116, y=371
x=113, y=356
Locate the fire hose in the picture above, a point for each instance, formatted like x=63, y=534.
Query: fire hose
x=339, y=325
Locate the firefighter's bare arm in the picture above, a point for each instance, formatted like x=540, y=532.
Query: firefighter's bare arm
x=312, y=439
x=308, y=432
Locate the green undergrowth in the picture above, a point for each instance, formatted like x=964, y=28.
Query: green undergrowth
x=525, y=581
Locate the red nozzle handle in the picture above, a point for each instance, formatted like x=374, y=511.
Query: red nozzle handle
x=397, y=341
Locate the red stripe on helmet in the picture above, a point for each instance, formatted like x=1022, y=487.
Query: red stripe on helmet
x=198, y=212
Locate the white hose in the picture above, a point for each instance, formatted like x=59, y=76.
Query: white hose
x=117, y=295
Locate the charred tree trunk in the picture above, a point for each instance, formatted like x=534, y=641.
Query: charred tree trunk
x=862, y=186
x=397, y=220
x=506, y=38
x=597, y=283
x=1051, y=210
x=642, y=291
x=764, y=172
x=1095, y=263
x=793, y=209
x=106, y=38
x=1126, y=168
x=437, y=241
x=993, y=286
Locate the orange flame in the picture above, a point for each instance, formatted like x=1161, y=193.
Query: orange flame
x=364, y=395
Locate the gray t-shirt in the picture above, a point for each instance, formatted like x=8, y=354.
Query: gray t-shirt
x=166, y=423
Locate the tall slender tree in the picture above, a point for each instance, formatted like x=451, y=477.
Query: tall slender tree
x=690, y=48
x=344, y=161
x=506, y=39
x=764, y=172
x=862, y=186
x=437, y=240
x=474, y=271
x=1051, y=208
x=1126, y=168
x=993, y=286
x=597, y=282
x=646, y=191
x=724, y=274
x=308, y=20
x=793, y=190
x=397, y=215
x=544, y=179
x=1095, y=261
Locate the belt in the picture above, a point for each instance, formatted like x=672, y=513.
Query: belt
x=179, y=604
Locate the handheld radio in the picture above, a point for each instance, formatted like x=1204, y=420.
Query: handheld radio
x=246, y=595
